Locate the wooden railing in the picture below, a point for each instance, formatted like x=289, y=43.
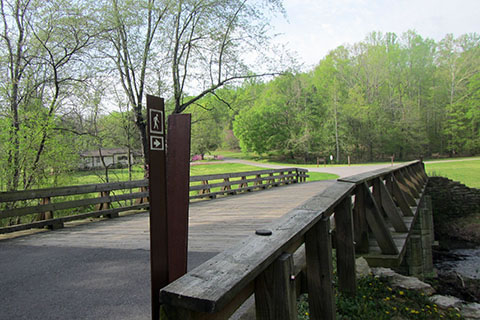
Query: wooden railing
x=297, y=256
x=109, y=199
x=231, y=183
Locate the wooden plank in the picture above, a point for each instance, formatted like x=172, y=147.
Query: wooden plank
x=213, y=284
x=347, y=283
x=17, y=212
x=275, y=296
x=391, y=209
x=378, y=226
x=70, y=190
x=318, y=250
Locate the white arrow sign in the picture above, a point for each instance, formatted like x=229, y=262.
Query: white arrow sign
x=156, y=143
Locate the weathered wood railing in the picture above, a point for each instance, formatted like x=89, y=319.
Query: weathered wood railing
x=231, y=183
x=109, y=198
x=297, y=256
x=102, y=196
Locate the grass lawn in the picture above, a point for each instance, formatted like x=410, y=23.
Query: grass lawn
x=98, y=176
x=466, y=172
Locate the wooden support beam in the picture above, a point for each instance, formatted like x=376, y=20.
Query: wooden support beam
x=414, y=178
x=421, y=170
x=318, y=250
x=347, y=282
x=360, y=224
x=408, y=183
x=377, y=225
x=405, y=190
x=275, y=294
x=399, y=196
x=390, y=208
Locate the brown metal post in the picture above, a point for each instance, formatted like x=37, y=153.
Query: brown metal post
x=157, y=184
x=178, y=179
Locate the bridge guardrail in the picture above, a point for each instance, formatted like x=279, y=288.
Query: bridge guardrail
x=111, y=198
x=297, y=256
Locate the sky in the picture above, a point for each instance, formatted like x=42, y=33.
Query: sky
x=314, y=27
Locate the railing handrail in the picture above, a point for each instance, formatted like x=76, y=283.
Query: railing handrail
x=370, y=175
x=210, y=286
x=70, y=190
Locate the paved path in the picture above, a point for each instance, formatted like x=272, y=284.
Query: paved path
x=341, y=171
x=101, y=270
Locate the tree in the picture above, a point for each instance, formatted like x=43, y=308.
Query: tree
x=209, y=38
x=135, y=27
x=43, y=42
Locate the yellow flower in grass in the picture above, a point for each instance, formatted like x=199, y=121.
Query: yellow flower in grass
x=401, y=293
x=387, y=299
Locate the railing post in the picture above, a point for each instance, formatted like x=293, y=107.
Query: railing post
x=244, y=184
x=360, y=221
x=106, y=205
x=207, y=189
x=275, y=297
x=227, y=187
x=271, y=181
x=318, y=251
x=47, y=215
x=142, y=200
x=347, y=282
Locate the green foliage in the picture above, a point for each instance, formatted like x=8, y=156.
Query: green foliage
x=384, y=96
x=375, y=299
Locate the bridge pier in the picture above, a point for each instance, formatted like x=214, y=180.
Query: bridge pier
x=418, y=260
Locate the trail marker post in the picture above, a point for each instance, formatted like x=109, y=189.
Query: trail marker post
x=169, y=176
x=157, y=186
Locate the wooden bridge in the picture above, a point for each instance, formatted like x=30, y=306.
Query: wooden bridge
x=372, y=214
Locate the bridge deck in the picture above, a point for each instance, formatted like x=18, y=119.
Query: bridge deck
x=101, y=270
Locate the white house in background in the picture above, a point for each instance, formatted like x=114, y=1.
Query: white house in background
x=115, y=157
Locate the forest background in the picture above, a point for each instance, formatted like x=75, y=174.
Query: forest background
x=74, y=77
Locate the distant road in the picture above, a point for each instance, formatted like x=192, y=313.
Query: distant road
x=341, y=171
